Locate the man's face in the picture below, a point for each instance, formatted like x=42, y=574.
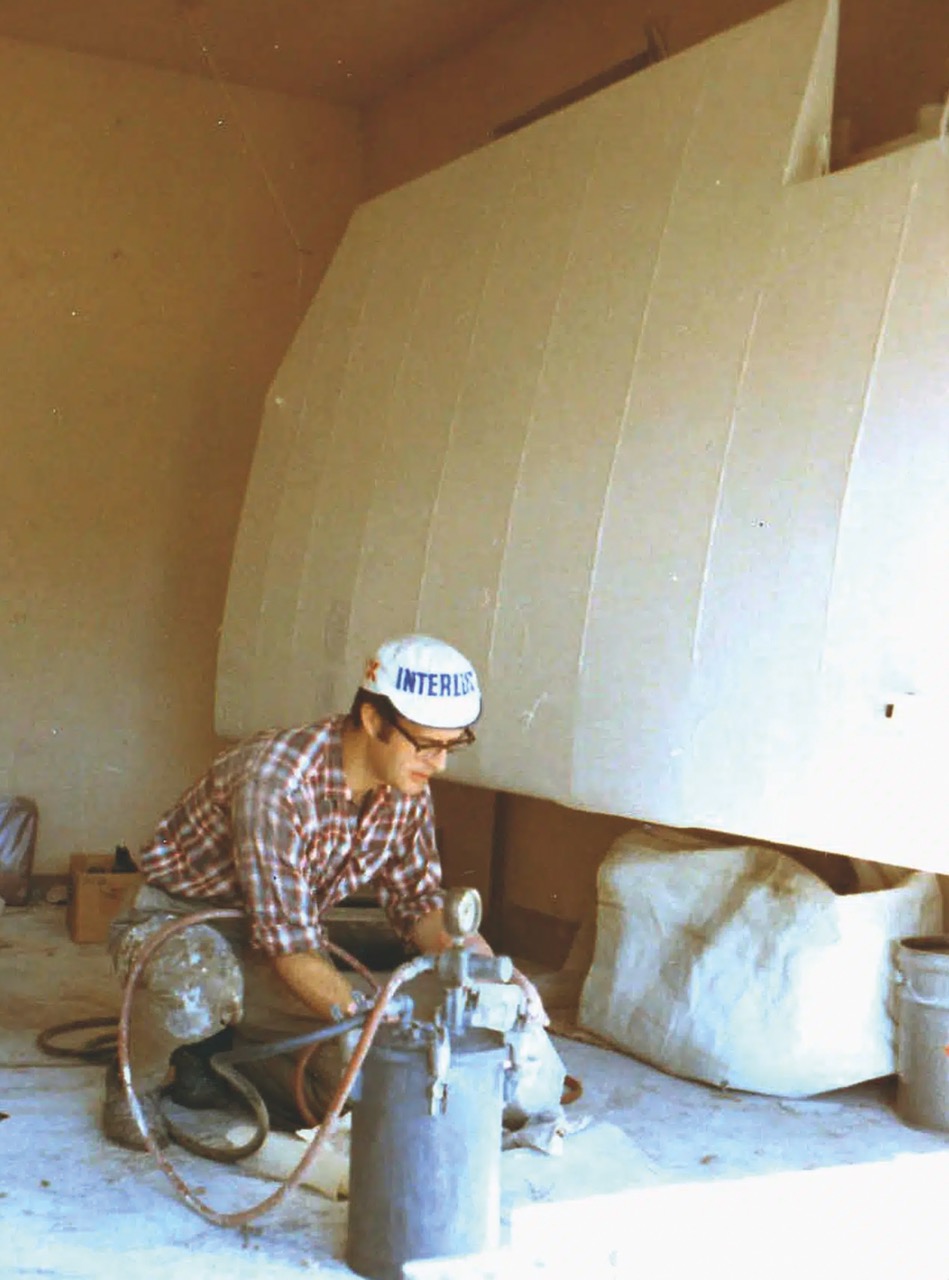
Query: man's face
x=405, y=755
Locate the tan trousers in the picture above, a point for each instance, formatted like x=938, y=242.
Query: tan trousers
x=203, y=979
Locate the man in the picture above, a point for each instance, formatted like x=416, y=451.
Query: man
x=286, y=825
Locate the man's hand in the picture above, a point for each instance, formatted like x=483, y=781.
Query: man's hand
x=317, y=983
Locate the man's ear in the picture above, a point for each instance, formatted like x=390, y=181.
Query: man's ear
x=370, y=720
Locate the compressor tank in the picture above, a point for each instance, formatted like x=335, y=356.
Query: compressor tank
x=425, y=1166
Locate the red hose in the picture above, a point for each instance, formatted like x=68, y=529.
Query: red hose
x=354, y=964
x=530, y=991
x=240, y=1217
x=299, y=1086
x=304, y=1055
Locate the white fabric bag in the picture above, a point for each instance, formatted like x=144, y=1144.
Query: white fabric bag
x=739, y=967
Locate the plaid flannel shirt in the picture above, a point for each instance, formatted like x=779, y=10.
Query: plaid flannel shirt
x=272, y=826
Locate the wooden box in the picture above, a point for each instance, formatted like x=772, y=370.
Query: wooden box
x=98, y=895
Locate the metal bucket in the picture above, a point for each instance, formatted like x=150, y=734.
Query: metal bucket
x=424, y=1185
x=922, y=1096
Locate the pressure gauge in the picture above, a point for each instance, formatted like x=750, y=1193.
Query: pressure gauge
x=462, y=912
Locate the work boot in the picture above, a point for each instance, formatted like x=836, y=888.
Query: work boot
x=118, y=1123
x=195, y=1084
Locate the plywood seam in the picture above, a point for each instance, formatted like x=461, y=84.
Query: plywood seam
x=334, y=430
x=858, y=435
x=722, y=477
x=778, y=227
x=634, y=363
x=319, y=507
x=377, y=469
x=569, y=259
x=452, y=426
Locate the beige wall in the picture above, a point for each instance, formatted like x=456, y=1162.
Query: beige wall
x=551, y=854
x=159, y=241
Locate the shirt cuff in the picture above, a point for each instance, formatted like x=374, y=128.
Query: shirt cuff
x=285, y=939
x=404, y=916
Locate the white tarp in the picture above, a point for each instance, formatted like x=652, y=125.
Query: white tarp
x=739, y=967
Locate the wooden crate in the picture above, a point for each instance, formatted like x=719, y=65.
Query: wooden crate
x=98, y=895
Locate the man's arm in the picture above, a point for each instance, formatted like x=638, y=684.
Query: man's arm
x=315, y=980
x=319, y=984
x=321, y=987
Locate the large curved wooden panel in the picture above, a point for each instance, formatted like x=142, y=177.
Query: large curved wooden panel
x=647, y=414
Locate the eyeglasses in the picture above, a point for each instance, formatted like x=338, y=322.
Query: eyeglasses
x=428, y=748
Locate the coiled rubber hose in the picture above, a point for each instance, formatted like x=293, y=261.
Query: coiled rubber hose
x=102, y=1050
x=405, y=973
x=105, y=1047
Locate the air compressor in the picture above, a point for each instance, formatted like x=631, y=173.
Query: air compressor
x=425, y=1162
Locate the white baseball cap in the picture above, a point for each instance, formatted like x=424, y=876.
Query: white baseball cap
x=426, y=680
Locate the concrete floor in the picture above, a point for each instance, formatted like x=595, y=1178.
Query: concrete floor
x=670, y=1179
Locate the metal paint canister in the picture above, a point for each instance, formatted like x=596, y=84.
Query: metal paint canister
x=923, y=1037
x=425, y=1173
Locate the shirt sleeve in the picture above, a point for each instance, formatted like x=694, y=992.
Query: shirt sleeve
x=269, y=845
x=409, y=885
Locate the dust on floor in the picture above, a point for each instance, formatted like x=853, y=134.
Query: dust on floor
x=669, y=1179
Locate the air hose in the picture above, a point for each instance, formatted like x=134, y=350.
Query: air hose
x=104, y=1048
x=405, y=973
x=113, y=1042
x=99, y=1049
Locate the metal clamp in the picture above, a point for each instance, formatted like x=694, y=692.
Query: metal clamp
x=439, y=1064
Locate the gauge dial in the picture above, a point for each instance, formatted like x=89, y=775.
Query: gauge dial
x=462, y=912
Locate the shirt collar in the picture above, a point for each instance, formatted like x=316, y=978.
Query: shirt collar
x=336, y=784
x=335, y=781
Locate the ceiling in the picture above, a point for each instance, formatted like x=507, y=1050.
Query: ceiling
x=893, y=54
x=350, y=51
